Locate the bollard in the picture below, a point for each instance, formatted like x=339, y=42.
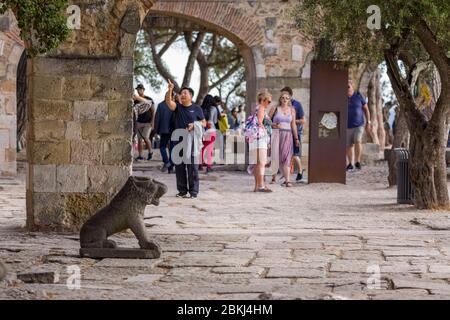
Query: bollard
x=404, y=188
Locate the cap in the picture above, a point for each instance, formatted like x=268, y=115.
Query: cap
x=140, y=86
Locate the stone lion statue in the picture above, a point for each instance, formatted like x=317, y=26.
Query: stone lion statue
x=126, y=211
x=2, y=271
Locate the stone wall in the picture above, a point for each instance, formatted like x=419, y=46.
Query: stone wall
x=79, y=137
x=11, y=48
x=80, y=121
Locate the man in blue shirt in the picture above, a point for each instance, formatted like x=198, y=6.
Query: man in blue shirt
x=357, y=108
x=186, y=113
x=300, y=121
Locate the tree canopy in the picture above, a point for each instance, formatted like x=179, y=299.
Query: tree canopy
x=344, y=24
x=220, y=63
x=42, y=23
x=413, y=37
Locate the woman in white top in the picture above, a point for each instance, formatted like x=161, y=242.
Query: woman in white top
x=258, y=147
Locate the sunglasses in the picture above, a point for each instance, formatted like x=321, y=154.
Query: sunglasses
x=286, y=98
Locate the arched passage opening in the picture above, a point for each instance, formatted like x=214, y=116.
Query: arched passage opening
x=170, y=48
x=220, y=18
x=187, y=19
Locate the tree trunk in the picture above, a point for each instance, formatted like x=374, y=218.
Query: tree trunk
x=159, y=64
x=427, y=157
x=401, y=140
x=372, y=97
x=194, y=48
x=422, y=172
x=427, y=147
x=428, y=167
x=381, y=133
x=21, y=102
x=439, y=137
x=204, y=83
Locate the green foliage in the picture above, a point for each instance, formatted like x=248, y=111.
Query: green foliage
x=344, y=24
x=220, y=55
x=144, y=68
x=43, y=23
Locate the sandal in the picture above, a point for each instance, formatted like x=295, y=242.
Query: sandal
x=287, y=184
x=265, y=190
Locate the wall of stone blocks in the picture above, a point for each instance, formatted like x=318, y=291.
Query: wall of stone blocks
x=79, y=141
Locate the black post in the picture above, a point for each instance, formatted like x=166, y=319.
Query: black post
x=404, y=188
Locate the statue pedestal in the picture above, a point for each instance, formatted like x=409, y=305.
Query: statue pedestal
x=119, y=253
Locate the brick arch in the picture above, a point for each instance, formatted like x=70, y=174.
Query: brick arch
x=220, y=17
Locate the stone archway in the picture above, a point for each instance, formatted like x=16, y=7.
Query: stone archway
x=80, y=122
x=159, y=21
x=225, y=19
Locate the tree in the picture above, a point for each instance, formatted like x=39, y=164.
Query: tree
x=220, y=63
x=415, y=33
x=144, y=68
x=42, y=23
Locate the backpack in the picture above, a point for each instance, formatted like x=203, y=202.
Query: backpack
x=143, y=107
x=252, y=129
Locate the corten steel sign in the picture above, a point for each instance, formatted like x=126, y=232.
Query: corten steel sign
x=328, y=123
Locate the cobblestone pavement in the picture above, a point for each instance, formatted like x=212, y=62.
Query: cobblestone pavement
x=307, y=242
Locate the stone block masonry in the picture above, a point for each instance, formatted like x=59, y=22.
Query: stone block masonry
x=80, y=133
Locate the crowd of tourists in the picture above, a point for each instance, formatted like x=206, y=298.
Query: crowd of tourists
x=178, y=111
x=273, y=130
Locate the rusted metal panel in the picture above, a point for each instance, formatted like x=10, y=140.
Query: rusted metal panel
x=327, y=152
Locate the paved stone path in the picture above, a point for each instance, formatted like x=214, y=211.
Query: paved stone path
x=307, y=242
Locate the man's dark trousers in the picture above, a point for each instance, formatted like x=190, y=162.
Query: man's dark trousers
x=165, y=141
x=188, y=178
